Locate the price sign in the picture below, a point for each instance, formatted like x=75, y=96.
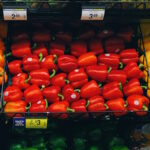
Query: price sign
x=15, y=14
x=92, y=14
x=36, y=123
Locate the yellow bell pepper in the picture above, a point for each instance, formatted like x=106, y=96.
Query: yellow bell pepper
x=145, y=77
x=148, y=93
x=146, y=44
x=1, y=75
x=143, y=60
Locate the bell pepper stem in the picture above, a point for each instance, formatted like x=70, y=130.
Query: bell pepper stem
x=145, y=108
x=141, y=66
x=109, y=69
x=42, y=87
x=40, y=57
x=106, y=106
x=53, y=73
x=77, y=90
x=34, y=46
x=46, y=103
x=120, y=65
x=70, y=110
x=87, y=104
x=61, y=96
x=100, y=85
x=27, y=80
x=53, y=38
x=8, y=54
x=67, y=81
x=120, y=87
x=126, y=104
x=144, y=87
x=27, y=107
x=55, y=59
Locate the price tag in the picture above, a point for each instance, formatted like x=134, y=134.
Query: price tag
x=15, y=14
x=36, y=123
x=92, y=14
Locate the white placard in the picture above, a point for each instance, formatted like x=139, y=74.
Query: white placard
x=92, y=14
x=15, y=14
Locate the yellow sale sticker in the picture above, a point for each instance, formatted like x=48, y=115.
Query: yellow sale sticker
x=36, y=123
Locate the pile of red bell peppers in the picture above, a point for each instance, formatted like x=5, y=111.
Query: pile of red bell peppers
x=92, y=78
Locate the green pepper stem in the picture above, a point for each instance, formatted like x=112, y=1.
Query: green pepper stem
x=27, y=80
x=67, y=81
x=53, y=38
x=27, y=107
x=141, y=66
x=34, y=46
x=100, y=85
x=120, y=65
x=145, y=108
x=126, y=104
x=109, y=69
x=42, y=87
x=106, y=106
x=53, y=73
x=46, y=103
x=70, y=110
x=40, y=57
x=55, y=59
x=61, y=96
x=87, y=104
x=77, y=90
x=8, y=54
x=120, y=87
x=144, y=87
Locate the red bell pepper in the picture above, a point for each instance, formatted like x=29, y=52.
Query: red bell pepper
x=40, y=77
x=129, y=55
x=90, y=89
x=20, y=36
x=33, y=94
x=114, y=45
x=133, y=87
x=97, y=72
x=96, y=47
x=87, y=59
x=110, y=60
x=105, y=33
x=59, y=80
x=57, y=48
x=64, y=36
x=12, y=94
x=117, y=75
x=49, y=62
x=86, y=34
x=21, y=81
x=41, y=36
x=67, y=63
x=138, y=103
x=79, y=106
x=15, y=107
x=31, y=62
x=40, y=50
x=112, y=90
x=21, y=49
x=78, y=48
x=96, y=104
x=118, y=106
x=132, y=71
x=70, y=94
x=52, y=94
x=39, y=106
x=15, y=67
x=79, y=84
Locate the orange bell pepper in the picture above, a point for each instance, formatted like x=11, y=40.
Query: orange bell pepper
x=1, y=75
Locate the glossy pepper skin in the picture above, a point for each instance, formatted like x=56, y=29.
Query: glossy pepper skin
x=110, y=60
x=52, y=93
x=49, y=62
x=67, y=63
x=117, y=75
x=39, y=106
x=40, y=77
x=97, y=72
x=40, y=49
x=33, y=94
x=15, y=67
x=31, y=62
x=15, y=107
x=112, y=90
x=78, y=78
x=96, y=104
x=59, y=80
x=90, y=89
x=21, y=81
x=87, y=59
x=21, y=49
x=118, y=106
x=132, y=71
x=79, y=106
x=138, y=103
x=78, y=48
x=95, y=46
x=12, y=93
x=57, y=48
x=129, y=55
x=70, y=94
x=133, y=87
x=114, y=45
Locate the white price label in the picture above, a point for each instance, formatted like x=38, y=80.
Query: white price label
x=92, y=14
x=15, y=14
